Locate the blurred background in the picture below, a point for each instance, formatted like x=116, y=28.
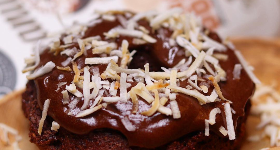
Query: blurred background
x=23, y=22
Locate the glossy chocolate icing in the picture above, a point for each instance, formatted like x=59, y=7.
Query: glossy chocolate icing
x=151, y=131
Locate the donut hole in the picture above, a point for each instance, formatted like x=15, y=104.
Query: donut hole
x=142, y=57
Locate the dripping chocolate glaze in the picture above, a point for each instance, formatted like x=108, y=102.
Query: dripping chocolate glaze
x=151, y=131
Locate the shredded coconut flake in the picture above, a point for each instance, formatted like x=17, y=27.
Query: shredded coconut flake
x=246, y=68
x=173, y=78
x=155, y=23
x=111, y=99
x=154, y=107
x=15, y=145
x=48, y=67
x=208, y=68
x=194, y=85
x=157, y=85
x=86, y=90
x=163, y=101
x=194, y=65
x=222, y=57
x=194, y=93
x=97, y=86
x=76, y=71
x=65, y=97
x=147, y=76
x=187, y=45
x=8, y=129
x=123, y=87
x=125, y=32
x=68, y=39
x=148, y=38
x=134, y=100
x=211, y=43
x=101, y=60
x=55, y=126
x=138, y=41
x=217, y=88
x=44, y=115
x=211, y=60
x=204, y=88
x=96, y=101
x=112, y=89
x=125, y=54
x=107, y=48
x=206, y=127
x=88, y=111
x=69, y=52
x=143, y=92
x=5, y=138
x=64, y=68
x=213, y=96
x=72, y=89
x=37, y=58
x=127, y=124
x=223, y=131
x=82, y=47
x=30, y=60
x=172, y=96
x=165, y=110
x=237, y=71
x=66, y=62
x=175, y=109
x=141, y=15
x=212, y=115
x=230, y=127
x=108, y=17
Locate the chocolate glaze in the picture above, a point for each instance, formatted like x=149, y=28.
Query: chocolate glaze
x=151, y=131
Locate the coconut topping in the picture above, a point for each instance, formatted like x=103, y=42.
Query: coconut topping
x=207, y=128
x=223, y=131
x=37, y=59
x=154, y=107
x=97, y=60
x=7, y=132
x=175, y=110
x=230, y=127
x=128, y=125
x=42, y=70
x=266, y=105
x=55, y=126
x=237, y=71
x=212, y=115
x=44, y=115
x=101, y=75
x=246, y=67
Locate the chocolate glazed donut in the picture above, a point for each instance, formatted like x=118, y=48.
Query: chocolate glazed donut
x=160, y=51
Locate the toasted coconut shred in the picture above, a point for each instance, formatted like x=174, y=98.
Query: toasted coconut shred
x=154, y=107
x=230, y=127
x=159, y=90
x=212, y=115
x=266, y=104
x=217, y=87
x=37, y=59
x=223, y=131
x=44, y=115
x=55, y=126
x=48, y=67
x=77, y=72
x=7, y=132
